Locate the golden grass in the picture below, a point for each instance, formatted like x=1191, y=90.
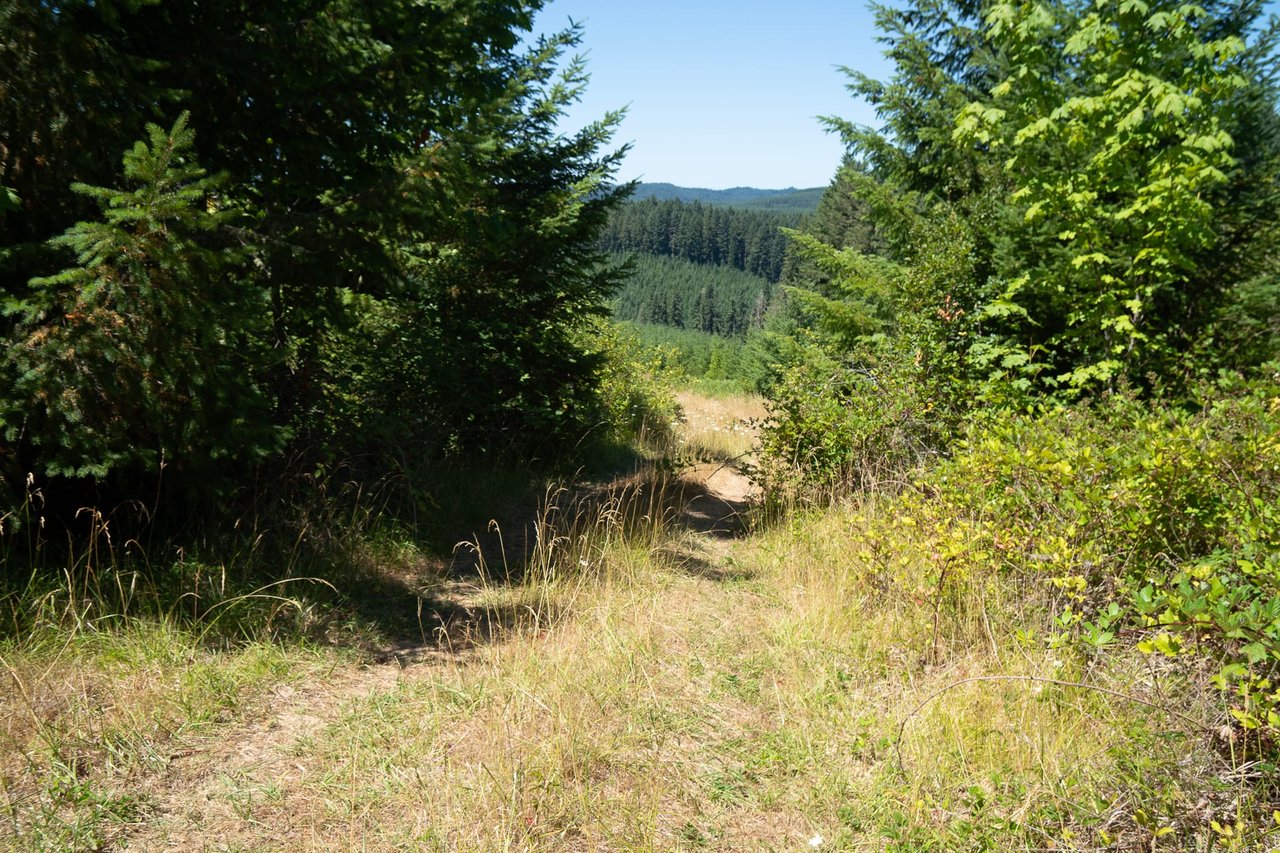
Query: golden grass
x=648, y=688
x=664, y=710
x=719, y=428
x=81, y=716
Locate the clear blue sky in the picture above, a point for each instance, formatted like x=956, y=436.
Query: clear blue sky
x=723, y=93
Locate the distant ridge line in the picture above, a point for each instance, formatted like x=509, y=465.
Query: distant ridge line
x=789, y=200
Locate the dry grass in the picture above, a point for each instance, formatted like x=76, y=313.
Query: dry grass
x=719, y=429
x=645, y=687
x=83, y=716
x=669, y=711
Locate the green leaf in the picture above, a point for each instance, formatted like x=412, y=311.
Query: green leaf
x=1255, y=653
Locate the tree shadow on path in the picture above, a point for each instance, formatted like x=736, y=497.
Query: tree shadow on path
x=454, y=600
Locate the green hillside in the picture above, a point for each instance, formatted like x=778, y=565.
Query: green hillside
x=675, y=292
x=789, y=200
x=749, y=240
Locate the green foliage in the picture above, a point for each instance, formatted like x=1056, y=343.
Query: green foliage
x=713, y=362
x=886, y=377
x=854, y=294
x=1154, y=527
x=843, y=219
x=9, y=200
x=940, y=65
x=398, y=249
x=1112, y=166
x=1116, y=124
x=746, y=240
x=835, y=426
x=636, y=386
x=503, y=272
x=137, y=356
x=75, y=92
x=674, y=292
x=1246, y=330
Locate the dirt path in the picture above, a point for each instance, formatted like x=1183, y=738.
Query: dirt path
x=212, y=785
x=195, y=794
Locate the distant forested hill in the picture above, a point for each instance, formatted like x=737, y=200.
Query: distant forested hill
x=686, y=295
x=790, y=200
x=704, y=260
x=747, y=240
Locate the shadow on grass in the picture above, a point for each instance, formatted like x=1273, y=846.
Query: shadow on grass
x=493, y=532
x=394, y=569
x=690, y=562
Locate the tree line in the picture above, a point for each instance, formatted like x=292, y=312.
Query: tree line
x=678, y=293
x=788, y=201
x=747, y=240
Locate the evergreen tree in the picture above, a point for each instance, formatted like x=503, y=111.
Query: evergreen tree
x=673, y=292
x=399, y=241
x=138, y=355
x=751, y=241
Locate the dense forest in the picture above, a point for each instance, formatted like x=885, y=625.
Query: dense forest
x=681, y=275
x=675, y=292
x=750, y=241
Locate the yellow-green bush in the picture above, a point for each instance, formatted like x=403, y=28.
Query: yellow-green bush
x=636, y=391
x=1154, y=526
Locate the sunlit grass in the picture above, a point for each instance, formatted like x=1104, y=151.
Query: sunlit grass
x=719, y=429
x=653, y=708
x=81, y=715
x=616, y=682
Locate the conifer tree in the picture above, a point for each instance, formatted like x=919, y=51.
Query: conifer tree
x=141, y=353
x=398, y=236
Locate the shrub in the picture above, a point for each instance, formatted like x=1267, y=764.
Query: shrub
x=836, y=426
x=1152, y=523
x=635, y=393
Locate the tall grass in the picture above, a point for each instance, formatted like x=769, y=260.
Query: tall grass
x=809, y=697
x=117, y=655
x=118, y=645
x=858, y=676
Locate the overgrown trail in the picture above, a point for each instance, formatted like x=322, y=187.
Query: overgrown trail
x=302, y=767
x=658, y=676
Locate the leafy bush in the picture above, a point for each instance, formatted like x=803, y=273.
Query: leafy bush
x=636, y=381
x=886, y=378
x=1152, y=524
x=836, y=426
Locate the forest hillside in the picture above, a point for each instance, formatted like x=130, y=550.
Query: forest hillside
x=790, y=200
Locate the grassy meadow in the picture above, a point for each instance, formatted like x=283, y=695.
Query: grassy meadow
x=644, y=682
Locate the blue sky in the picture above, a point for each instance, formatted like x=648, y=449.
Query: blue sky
x=723, y=93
